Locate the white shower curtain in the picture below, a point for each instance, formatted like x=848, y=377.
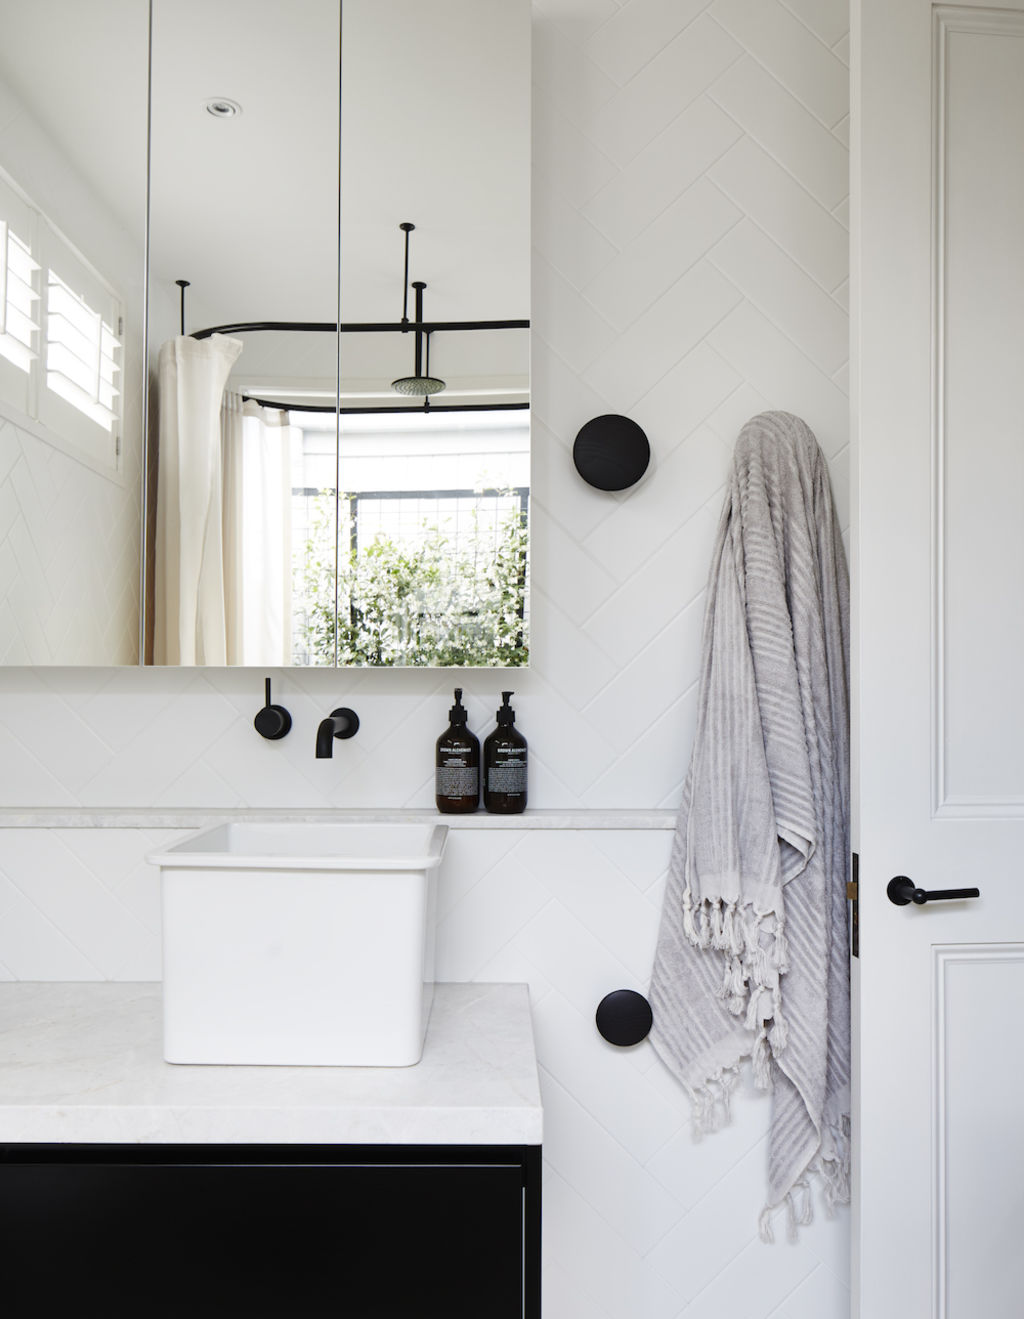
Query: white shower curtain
x=223, y=553
x=257, y=481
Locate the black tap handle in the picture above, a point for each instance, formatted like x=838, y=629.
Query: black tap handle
x=903, y=891
x=273, y=721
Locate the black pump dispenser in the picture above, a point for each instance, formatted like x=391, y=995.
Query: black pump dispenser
x=505, y=764
x=457, y=761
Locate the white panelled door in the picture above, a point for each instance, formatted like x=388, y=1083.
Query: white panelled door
x=938, y=390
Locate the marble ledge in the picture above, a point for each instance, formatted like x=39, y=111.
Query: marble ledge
x=187, y=817
x=82, y=1063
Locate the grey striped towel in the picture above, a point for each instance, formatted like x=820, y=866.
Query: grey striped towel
x=752, y=956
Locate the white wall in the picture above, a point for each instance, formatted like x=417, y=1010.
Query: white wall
x=690, y=262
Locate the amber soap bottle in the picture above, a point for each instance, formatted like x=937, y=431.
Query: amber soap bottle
x=457, y=776
x=505, y=764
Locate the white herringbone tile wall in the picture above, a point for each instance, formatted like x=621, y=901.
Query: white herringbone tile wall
x=69, y=552
x=689, y=205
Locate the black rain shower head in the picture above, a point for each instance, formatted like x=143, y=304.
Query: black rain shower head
x=417, y=386
x=421, y=384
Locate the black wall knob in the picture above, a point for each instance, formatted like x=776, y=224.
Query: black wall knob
x=611, y=452
x=624, y=1017
x=273, y=721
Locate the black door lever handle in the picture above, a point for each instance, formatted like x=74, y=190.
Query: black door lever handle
x=903, y=891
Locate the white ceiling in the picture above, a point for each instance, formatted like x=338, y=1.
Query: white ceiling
x=79, y=67
x=434, y=129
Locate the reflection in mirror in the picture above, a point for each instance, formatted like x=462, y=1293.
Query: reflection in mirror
x=244, y=206
x=72, y=224
x=353, y=498
x=431, y=539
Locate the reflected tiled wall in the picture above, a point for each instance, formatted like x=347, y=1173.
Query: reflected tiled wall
x=69, y=581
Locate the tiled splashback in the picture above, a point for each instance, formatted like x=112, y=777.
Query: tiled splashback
x=689, y=270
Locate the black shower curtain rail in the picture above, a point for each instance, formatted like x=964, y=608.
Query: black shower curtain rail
x=370, y=327
x=400, y=407
x=360, y=327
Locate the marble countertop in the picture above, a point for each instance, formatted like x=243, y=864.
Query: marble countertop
x=186, y=817
x=83, y=1063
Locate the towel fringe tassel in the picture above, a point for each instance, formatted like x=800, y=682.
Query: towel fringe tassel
x=834, y=1172
x=712, y=1102
x=755, y=957
x=761, y=1060
x=755, y=952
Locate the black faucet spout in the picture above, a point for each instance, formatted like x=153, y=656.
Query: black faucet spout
x=341, y=723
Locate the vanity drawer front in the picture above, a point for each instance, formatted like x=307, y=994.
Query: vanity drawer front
x=261, y=1231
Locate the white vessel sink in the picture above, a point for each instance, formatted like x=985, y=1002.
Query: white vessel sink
x=299, y=943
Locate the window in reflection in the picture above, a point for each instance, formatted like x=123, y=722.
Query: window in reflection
x=18, y=317
x=428, y=566
x=50, y=295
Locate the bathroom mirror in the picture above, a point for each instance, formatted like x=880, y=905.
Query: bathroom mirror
x=287, y=210
x=301, y=510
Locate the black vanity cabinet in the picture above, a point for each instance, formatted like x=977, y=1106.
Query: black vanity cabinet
x=259, y=1231
x=131, y=1188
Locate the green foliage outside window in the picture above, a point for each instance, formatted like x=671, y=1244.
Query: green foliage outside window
x=423, y=605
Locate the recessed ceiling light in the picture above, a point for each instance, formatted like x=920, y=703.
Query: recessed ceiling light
x=221, y=107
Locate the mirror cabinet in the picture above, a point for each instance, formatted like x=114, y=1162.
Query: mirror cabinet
x=264, y=371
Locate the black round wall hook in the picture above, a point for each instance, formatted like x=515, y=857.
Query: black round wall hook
x=611, y=452
x=624, y=1017
x=273, y=721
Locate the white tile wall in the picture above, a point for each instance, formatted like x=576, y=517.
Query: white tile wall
x=689, y=270
x=69, y=546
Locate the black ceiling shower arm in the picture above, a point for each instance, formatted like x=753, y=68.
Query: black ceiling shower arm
x=183, y=284
x=407, y=227
x=419, y=384
x=419, y=286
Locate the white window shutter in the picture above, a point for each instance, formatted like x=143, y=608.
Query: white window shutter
x=83, y=354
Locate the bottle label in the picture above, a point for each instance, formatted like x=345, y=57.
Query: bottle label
x=457, y=781
x=508, y=778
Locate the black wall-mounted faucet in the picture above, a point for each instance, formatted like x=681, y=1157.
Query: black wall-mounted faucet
x=343, y=723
